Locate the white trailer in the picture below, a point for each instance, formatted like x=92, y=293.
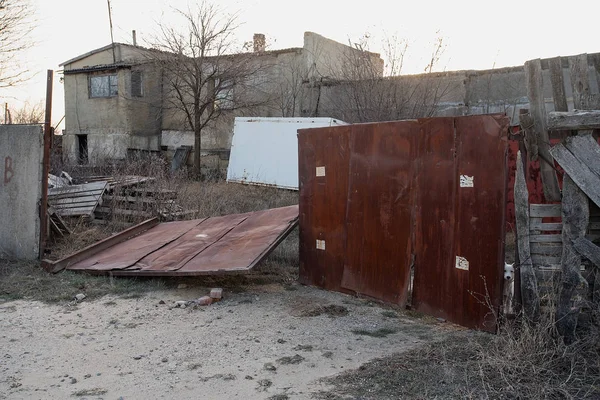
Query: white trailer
x=264, y=151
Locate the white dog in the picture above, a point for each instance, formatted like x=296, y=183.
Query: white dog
x=509, y=287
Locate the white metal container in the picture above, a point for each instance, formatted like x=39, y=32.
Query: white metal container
x=264, y=151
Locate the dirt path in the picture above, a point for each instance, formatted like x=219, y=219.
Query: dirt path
x=265, y=343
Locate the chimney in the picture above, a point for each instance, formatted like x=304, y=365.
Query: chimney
x=134, y=38
x=259, y=42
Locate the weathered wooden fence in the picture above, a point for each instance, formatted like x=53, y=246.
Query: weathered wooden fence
x=567, y=245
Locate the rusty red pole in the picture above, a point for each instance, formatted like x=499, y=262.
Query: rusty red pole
x=46, y=163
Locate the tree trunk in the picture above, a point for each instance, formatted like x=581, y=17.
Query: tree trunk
x=197, y=150
x=575, y=217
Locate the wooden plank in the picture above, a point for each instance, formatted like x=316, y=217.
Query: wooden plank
x=120, y=211
x=586, y=149
x=77, y=188
x=558, y=84
x=579, y=172
x=544, y=210
x=545, y=238
x=74, y=195
x=538, y=259
x=529, y=136
x=575, y=120
x=76, y=200
x=529, y=287
x=73, y=212
x=57, y=266
x=580, y=81
x=575, y=217
x=588, y=250
x=546, y=248
x=545, y=226
x=535, y=93
x=594, y=226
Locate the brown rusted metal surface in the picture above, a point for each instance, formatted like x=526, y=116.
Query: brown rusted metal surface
x=457, y=222
x=396, y=199
x=378, y=217
x=323, y=204
x=89, y=251
x=228, y=244
x=46, y=163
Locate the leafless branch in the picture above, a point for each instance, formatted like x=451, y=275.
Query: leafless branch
x=16, y=26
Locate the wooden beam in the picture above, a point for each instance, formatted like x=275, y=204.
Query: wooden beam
x=575, y=217
x=578, y=171
x=529, y=287
x=575, y=120
x=588, y=249
x=537, y=105
x=57, y=266
x=529, y=136
x=558, y=84
x=580, y=80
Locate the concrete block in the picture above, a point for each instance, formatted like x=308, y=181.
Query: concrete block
x=216, y=293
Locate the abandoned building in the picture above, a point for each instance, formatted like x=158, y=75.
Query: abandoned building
x=115, y=100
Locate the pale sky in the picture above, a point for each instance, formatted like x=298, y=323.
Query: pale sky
x=478, y=34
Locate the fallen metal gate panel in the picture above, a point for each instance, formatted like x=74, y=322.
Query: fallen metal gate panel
x=378, y=216
x=227, y=244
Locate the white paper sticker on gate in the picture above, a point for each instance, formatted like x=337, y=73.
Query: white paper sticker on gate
x=320, y=171
x=466, y=181
x=320, y=244
x=462, y=263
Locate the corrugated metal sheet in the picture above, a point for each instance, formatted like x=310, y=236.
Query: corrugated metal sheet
x=264, y=151
x=423, y=192
x=227, y=244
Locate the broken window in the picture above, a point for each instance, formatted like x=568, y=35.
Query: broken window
x=103, y=85
x=136, y=84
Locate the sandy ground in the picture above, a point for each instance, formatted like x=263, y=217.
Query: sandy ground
x=258, y=344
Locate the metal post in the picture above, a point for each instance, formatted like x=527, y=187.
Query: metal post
x=46, y=161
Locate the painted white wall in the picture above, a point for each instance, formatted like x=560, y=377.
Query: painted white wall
x=264, y=151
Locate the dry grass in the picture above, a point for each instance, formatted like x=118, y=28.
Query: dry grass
x=523, y=361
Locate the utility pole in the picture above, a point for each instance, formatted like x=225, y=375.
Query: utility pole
x=112, y=40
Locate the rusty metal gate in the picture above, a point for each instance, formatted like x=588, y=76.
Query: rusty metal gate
x=378, y=199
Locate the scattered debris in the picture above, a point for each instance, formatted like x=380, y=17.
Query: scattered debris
x=203, y=301
x=79, y=297
x=216, y=294
x=264, y=384
x=332, y=310
x=181, y=304
x=296, y=359
x=270, y=367
x=379, y=333
x=77, y=200
x=302, y=347
x=57, y=225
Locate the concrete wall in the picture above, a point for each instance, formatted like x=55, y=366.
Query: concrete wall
x=21, y=154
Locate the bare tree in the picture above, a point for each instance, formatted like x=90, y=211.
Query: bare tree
x=362, y=92
x=16, y=25
x=205, y=74
x=29, y=114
